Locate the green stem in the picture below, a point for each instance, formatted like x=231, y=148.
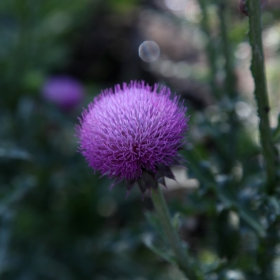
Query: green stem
x=182, y=257
x=266, y=250
x=210, y=49
x=258, y=72
x=230, y=82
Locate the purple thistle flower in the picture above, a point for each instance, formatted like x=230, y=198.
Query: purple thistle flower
x=63, y=91
x=133, y=133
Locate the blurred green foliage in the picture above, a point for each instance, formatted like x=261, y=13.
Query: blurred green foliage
x=58, y=220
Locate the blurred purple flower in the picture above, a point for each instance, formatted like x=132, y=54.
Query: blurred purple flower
x=133, y=133
x=63, y=91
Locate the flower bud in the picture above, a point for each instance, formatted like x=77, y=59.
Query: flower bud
x=243, y=8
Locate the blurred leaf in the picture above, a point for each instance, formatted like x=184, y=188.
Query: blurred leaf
x=245, y=214
x=154, y=221
x=22, y=187
x=15, y=153
x=148, y=241
x=177, y=220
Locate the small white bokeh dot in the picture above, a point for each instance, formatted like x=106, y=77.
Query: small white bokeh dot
x=149, y=51
x=176, y=5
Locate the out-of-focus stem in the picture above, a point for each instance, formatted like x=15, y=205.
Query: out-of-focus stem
x=182, y=257
x=230, y=80
x=210, y=49
x=258, y=71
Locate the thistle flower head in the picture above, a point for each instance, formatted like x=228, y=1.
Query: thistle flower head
x=133, y=133
x=63, y=91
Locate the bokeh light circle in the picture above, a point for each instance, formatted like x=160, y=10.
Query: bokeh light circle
x=149, y=51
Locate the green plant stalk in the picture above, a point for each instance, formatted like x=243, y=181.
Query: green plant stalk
x=266, y=249
x=210, y=49
x=230, y=82
x=183, y=260
x=258, y=71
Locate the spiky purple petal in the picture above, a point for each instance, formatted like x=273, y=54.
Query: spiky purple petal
x=132, y=129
